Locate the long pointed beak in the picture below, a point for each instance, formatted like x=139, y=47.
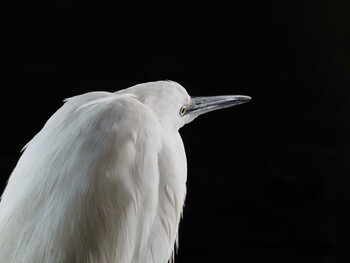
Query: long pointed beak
x=202, y=105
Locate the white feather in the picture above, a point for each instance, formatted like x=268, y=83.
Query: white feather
x=103, y=181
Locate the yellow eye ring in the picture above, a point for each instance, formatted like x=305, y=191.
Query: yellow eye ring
x=183, y=110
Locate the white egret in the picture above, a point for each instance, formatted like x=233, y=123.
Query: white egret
x=104, y=180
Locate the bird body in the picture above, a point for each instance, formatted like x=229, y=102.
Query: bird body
x=103, y=181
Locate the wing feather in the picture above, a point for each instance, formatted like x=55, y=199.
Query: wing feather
x=97, y=155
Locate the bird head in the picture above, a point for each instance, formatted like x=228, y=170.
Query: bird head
x=174, y=107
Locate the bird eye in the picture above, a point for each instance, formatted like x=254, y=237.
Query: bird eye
x=183, y=110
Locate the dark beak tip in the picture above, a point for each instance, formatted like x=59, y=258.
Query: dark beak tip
x=245, y=99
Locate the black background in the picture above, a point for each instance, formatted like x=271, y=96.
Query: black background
x=268, y=180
